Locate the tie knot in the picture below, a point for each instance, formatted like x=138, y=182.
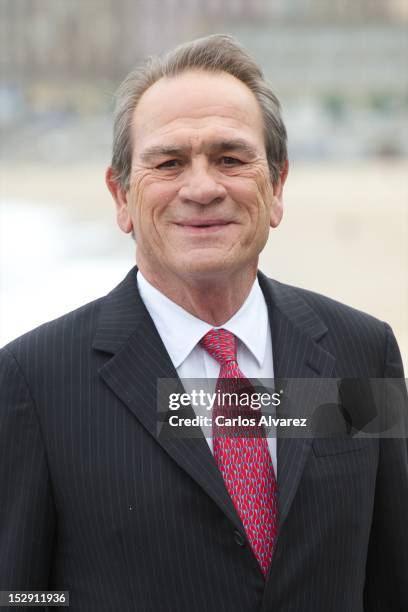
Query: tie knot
x=221, y=345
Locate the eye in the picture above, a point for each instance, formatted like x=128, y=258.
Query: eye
x=169, y=164
x=230, y=161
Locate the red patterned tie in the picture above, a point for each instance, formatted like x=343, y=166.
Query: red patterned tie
x=242, y=453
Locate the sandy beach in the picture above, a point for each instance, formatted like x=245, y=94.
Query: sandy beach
x=344, y=234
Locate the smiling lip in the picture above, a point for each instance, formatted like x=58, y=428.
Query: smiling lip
x=209, y=225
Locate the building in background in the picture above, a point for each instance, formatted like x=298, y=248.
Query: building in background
x=339, y=68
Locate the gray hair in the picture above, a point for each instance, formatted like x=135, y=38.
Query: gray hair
x=216, y=53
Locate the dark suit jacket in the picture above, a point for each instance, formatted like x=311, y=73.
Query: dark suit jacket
x=93, y=502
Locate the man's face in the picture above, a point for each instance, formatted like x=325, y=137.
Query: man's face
x=200, y=198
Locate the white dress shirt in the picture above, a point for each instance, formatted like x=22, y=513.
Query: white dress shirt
x=181, y=333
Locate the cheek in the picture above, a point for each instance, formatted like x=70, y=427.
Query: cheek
x=150, y=199
x=253, y=195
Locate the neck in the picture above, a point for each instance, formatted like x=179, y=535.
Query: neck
x=214, y=300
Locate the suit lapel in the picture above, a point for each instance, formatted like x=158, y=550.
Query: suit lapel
x=296, y=332
x=138, y=360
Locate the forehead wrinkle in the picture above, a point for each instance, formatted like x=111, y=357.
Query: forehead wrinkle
x=159, y=150
x=234, y=144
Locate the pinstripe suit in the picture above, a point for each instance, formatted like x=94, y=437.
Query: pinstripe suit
x=94, y=503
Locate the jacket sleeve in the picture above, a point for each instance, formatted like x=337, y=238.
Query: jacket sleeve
x=386, y=586
x=27, y=517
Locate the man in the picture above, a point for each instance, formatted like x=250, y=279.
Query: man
x=94, y=500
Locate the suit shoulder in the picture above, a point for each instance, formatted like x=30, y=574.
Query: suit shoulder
x=79, y=324
x=360, y=341
x=331, y=310
x=341, y=320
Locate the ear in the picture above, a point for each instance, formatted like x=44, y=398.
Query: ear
x=121, y=200
x=277, y=200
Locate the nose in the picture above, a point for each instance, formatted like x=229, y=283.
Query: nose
x=201, y=185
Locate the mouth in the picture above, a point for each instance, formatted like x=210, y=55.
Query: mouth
x=207, y=226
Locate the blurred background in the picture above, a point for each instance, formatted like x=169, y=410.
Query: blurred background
x=339, y=68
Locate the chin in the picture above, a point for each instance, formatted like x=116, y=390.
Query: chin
x=205, y=268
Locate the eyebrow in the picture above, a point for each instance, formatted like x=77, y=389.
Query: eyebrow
x=236, y=144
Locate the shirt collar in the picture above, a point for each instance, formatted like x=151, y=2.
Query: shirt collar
x=181, y=331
